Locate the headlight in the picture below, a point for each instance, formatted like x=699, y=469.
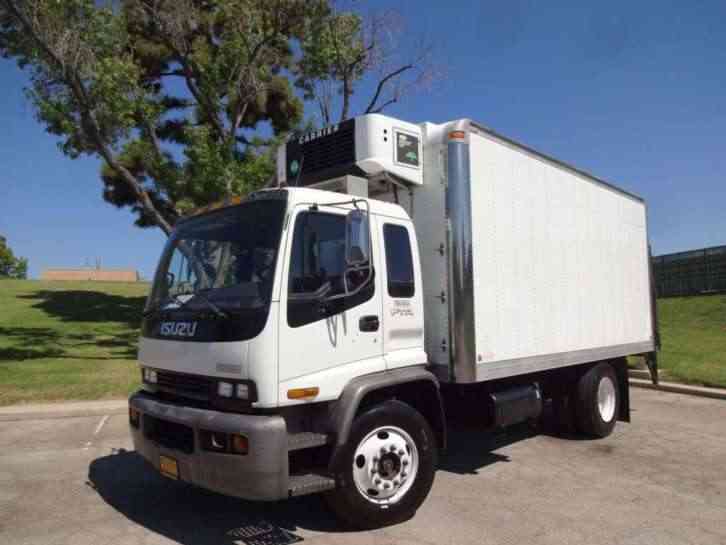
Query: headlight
x=150, y=376
x=231, y=395
x=225, y=389
x=243, y=391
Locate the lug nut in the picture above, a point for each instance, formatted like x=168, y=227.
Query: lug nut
x=383, y=450
x=396, y=482
x=387, y=486
x=404, y=462
x=377, y=481
x=393, y=448
x=400, y=452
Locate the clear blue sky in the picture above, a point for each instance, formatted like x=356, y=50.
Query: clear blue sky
x=634, y=92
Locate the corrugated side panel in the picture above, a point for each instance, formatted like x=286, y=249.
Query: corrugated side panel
x=560, y=262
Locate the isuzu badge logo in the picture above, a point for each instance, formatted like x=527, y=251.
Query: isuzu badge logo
x=178, y=329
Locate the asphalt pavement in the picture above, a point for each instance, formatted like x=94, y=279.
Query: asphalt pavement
x=659, y=480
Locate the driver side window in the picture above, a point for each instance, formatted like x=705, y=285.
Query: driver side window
x=318, y=253
x=318, y=257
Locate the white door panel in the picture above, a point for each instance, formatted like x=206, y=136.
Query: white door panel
x=402, y=294
x=333, y=343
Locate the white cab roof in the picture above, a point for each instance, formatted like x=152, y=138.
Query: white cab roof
x=304, y=195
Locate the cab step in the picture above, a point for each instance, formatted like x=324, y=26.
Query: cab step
x=309, y=483
x=308, y=439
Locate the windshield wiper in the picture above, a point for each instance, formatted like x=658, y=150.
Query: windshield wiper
x=214, y=308
x=218, y=311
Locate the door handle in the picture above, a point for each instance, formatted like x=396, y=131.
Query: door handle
x=369, y=323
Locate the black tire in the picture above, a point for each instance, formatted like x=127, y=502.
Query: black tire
x=348, y=503
x=589, y=417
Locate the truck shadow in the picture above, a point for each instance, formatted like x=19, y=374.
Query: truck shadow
x=191, y=515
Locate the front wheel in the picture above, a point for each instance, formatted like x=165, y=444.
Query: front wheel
x=386, y=469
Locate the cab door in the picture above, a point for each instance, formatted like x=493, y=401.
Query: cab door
x=323, y=344
x=403, y=313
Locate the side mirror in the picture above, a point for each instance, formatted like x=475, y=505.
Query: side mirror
x=357, y=238
x=358, y=270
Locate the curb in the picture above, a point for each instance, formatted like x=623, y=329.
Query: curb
x=700, y=391
x=639, y=373
x=73, y=409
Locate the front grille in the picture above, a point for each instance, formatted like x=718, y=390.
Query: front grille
x=169, y=434
x=194, y=386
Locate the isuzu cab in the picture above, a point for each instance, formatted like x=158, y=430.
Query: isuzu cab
x=299, y=340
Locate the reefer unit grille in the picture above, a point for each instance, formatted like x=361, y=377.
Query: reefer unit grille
x=322, y=154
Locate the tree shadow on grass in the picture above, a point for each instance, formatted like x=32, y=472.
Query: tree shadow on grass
x=78, y=306
x=89, y=306
x=32, y=343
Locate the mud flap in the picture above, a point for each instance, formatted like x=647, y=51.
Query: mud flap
x=651, y=360
x=621, y=369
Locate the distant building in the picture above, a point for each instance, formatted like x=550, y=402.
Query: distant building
x=97, y=275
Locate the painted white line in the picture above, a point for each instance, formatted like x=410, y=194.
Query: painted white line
x=101, y=424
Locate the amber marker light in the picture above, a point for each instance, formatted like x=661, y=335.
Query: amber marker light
x=303, y=393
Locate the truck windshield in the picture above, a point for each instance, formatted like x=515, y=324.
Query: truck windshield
x=225, y=257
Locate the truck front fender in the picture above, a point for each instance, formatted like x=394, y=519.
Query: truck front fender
x=413, y=385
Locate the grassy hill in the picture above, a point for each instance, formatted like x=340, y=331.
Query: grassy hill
x=77, y=340
x=68, y=340
x=693, y=334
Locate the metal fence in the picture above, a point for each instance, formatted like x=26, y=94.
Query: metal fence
x=695, y=272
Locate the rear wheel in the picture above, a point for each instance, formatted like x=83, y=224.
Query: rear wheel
x=597, y=401
x=386, y=469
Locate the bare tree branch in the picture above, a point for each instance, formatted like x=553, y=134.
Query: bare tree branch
x=381, y=85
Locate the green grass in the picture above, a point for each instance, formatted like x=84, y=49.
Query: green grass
x=68, y=340
x=693, y=336
x=77, y=340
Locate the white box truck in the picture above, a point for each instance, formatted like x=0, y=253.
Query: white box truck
x=299, y=340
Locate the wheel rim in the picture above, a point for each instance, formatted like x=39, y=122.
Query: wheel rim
x=385, y=465
x=606, y=398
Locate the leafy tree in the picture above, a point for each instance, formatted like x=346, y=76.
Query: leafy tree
x=343, y=49
x=186, y=100
x=11, y=266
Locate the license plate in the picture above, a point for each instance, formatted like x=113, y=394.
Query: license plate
x=168, y=467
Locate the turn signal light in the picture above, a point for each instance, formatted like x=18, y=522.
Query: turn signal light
x=303, y=393
x=224, y=443
x=239, y=444
x=134, y=417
